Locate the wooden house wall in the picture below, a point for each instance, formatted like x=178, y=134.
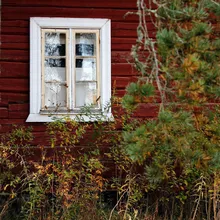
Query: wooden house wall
x=14, y=53
x=14, y=59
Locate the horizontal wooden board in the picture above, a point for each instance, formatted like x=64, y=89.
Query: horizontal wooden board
x=120, y=92
x=8, y=121
x=15, y=46
x=122, y=82
x=123, y=69
x=24, y=13
x=15, y=38
x=15, y=23
x=123, y=40
x=14, y=70
x=130, y=25
x=4, y=129
x=14, y=85
x=3, y=112
x=147, y=110
x=125, y=4
x=70, y=3
x=14, y=97
x=19, y=107
x=14, y=30
x=18, y=114
x=15, y=55
x=129, y=33
x=121, y=57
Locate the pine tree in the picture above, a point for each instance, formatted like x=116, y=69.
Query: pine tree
x=180, y=149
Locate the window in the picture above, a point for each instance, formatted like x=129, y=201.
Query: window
x=70, y=68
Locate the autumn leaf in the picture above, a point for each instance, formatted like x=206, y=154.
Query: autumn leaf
x=191, y=63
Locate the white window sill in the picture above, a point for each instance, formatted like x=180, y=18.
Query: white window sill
x=81, y=118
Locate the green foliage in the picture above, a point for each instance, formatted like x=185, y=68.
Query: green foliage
x=128, y=102
x=136, y=92
x=65, y=132
x=179, y=150
x=213, y=6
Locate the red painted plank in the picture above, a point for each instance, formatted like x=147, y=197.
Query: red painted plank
x=17, y=23
x=121, y=57
x=19, y=107
x=13, y=121
x=130, y=33
x=12, y=30
x=122, y=47
x=122, y=82
x=15, y=46
x=147, y=110
x=14, y=38
x=5, y=128
x=15, y=55
x=20, y=13
x=130, y=26
x=123, y=69
x=14, y=85
x=18, y=115
x=119, y=92
x=38, y=127
x=3, y=101
x=3, y=112
x=14, y=70
x=70, y=3
x=123, y=40
x=14, y=97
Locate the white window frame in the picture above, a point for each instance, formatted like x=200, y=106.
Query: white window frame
x=38, y=23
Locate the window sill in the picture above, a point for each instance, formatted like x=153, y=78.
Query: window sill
x=78, y=117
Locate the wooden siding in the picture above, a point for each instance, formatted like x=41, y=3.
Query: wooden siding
x=14, y=60
x=14, y=53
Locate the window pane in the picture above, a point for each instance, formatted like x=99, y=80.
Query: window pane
x=85, y=44
x=55, y=44
x=86, y=69
x=86, y=94
x=55, y=95
x=55, y=70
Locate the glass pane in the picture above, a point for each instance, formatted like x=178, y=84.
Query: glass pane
x=86, y=94
x=55, y=70
x=55, y=44
x=55, y=95
x=85, y=69
x=85, y=44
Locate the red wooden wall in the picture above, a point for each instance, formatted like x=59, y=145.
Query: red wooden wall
x=14, y=59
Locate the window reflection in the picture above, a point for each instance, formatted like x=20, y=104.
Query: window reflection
x=55, y=44
x=85, y=44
